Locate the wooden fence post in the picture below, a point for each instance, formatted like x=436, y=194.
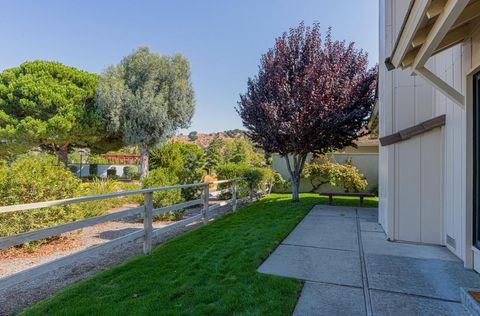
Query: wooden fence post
x=234, y=196
x=148, y=223
x=206, y=193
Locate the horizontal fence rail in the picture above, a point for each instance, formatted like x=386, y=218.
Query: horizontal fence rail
x=33, y=235
x=31, y=206
x=145, y=211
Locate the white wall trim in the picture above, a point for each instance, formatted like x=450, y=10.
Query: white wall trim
x=469, y=262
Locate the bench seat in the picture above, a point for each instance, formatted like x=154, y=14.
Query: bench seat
x=361, y=195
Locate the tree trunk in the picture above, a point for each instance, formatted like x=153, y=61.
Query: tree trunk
x=295, y=189
x=143, y=161
x=62, y=154
x=295, y=172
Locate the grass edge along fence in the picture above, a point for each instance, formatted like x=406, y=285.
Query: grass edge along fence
x=146, y=211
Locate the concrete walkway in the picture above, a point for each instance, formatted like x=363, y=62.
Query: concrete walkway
x=349, y=268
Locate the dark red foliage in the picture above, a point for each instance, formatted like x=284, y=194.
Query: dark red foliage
x=311, y=94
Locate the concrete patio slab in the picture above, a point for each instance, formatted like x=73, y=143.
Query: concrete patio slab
x=325, y=232
x=368, y=219
x=377, y=243
x=337, y=266
x=392, y=279
x=328, y=299
x=371, y=227
x=386, y=304
x=366, y=212
x=344, y=241
x=334, y=211
x=332, y=223
x=434, y=278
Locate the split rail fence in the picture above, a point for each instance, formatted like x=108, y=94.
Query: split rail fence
x=145, y=211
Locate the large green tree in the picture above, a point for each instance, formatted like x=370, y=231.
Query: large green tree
x=241, y=151
x=213, y=154
x=146, y=98
x=47, y=103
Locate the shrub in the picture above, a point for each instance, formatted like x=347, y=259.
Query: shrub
x=279, y=181
x=185, y=161
x=192, y=170
x=90, y=178
x=131, y=172
x=36, y=179
x=32, y=179
x=322, y=171
x=112, y=173
x=99, y=186
x=231, y=171
x=261, y=179
x=73, y=169
x=40, y=178
x=168, y=157
x=74, y=157
x=93, y=169
x=161, y=177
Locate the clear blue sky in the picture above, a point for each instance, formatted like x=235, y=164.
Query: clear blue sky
x=223, y=39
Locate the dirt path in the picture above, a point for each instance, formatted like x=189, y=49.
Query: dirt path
x=21, y=295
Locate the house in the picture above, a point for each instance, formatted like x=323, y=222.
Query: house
x=367, y=144
x=429, y=159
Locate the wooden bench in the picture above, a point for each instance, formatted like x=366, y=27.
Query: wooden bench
x=361, y=195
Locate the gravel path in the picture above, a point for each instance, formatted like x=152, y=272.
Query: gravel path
x=77, y=240
x=13, y=299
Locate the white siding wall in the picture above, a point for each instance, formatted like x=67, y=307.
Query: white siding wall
x=423, y=181
x=411, y=172
x=452, y=66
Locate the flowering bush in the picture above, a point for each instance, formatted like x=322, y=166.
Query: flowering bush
x=321, y=171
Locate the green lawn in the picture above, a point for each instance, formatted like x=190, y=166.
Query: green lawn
x=210, y=270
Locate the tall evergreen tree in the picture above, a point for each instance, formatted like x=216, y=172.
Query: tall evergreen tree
x=146, y=98
x=213, y=154
x=47, y=103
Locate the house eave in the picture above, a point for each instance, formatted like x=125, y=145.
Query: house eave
x=430, y=27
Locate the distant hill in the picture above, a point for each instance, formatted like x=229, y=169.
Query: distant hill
x=203, y=140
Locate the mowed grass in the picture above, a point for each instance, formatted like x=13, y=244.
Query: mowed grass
x=208, y=271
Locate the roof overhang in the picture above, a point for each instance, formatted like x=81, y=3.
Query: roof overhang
x=432, y=26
